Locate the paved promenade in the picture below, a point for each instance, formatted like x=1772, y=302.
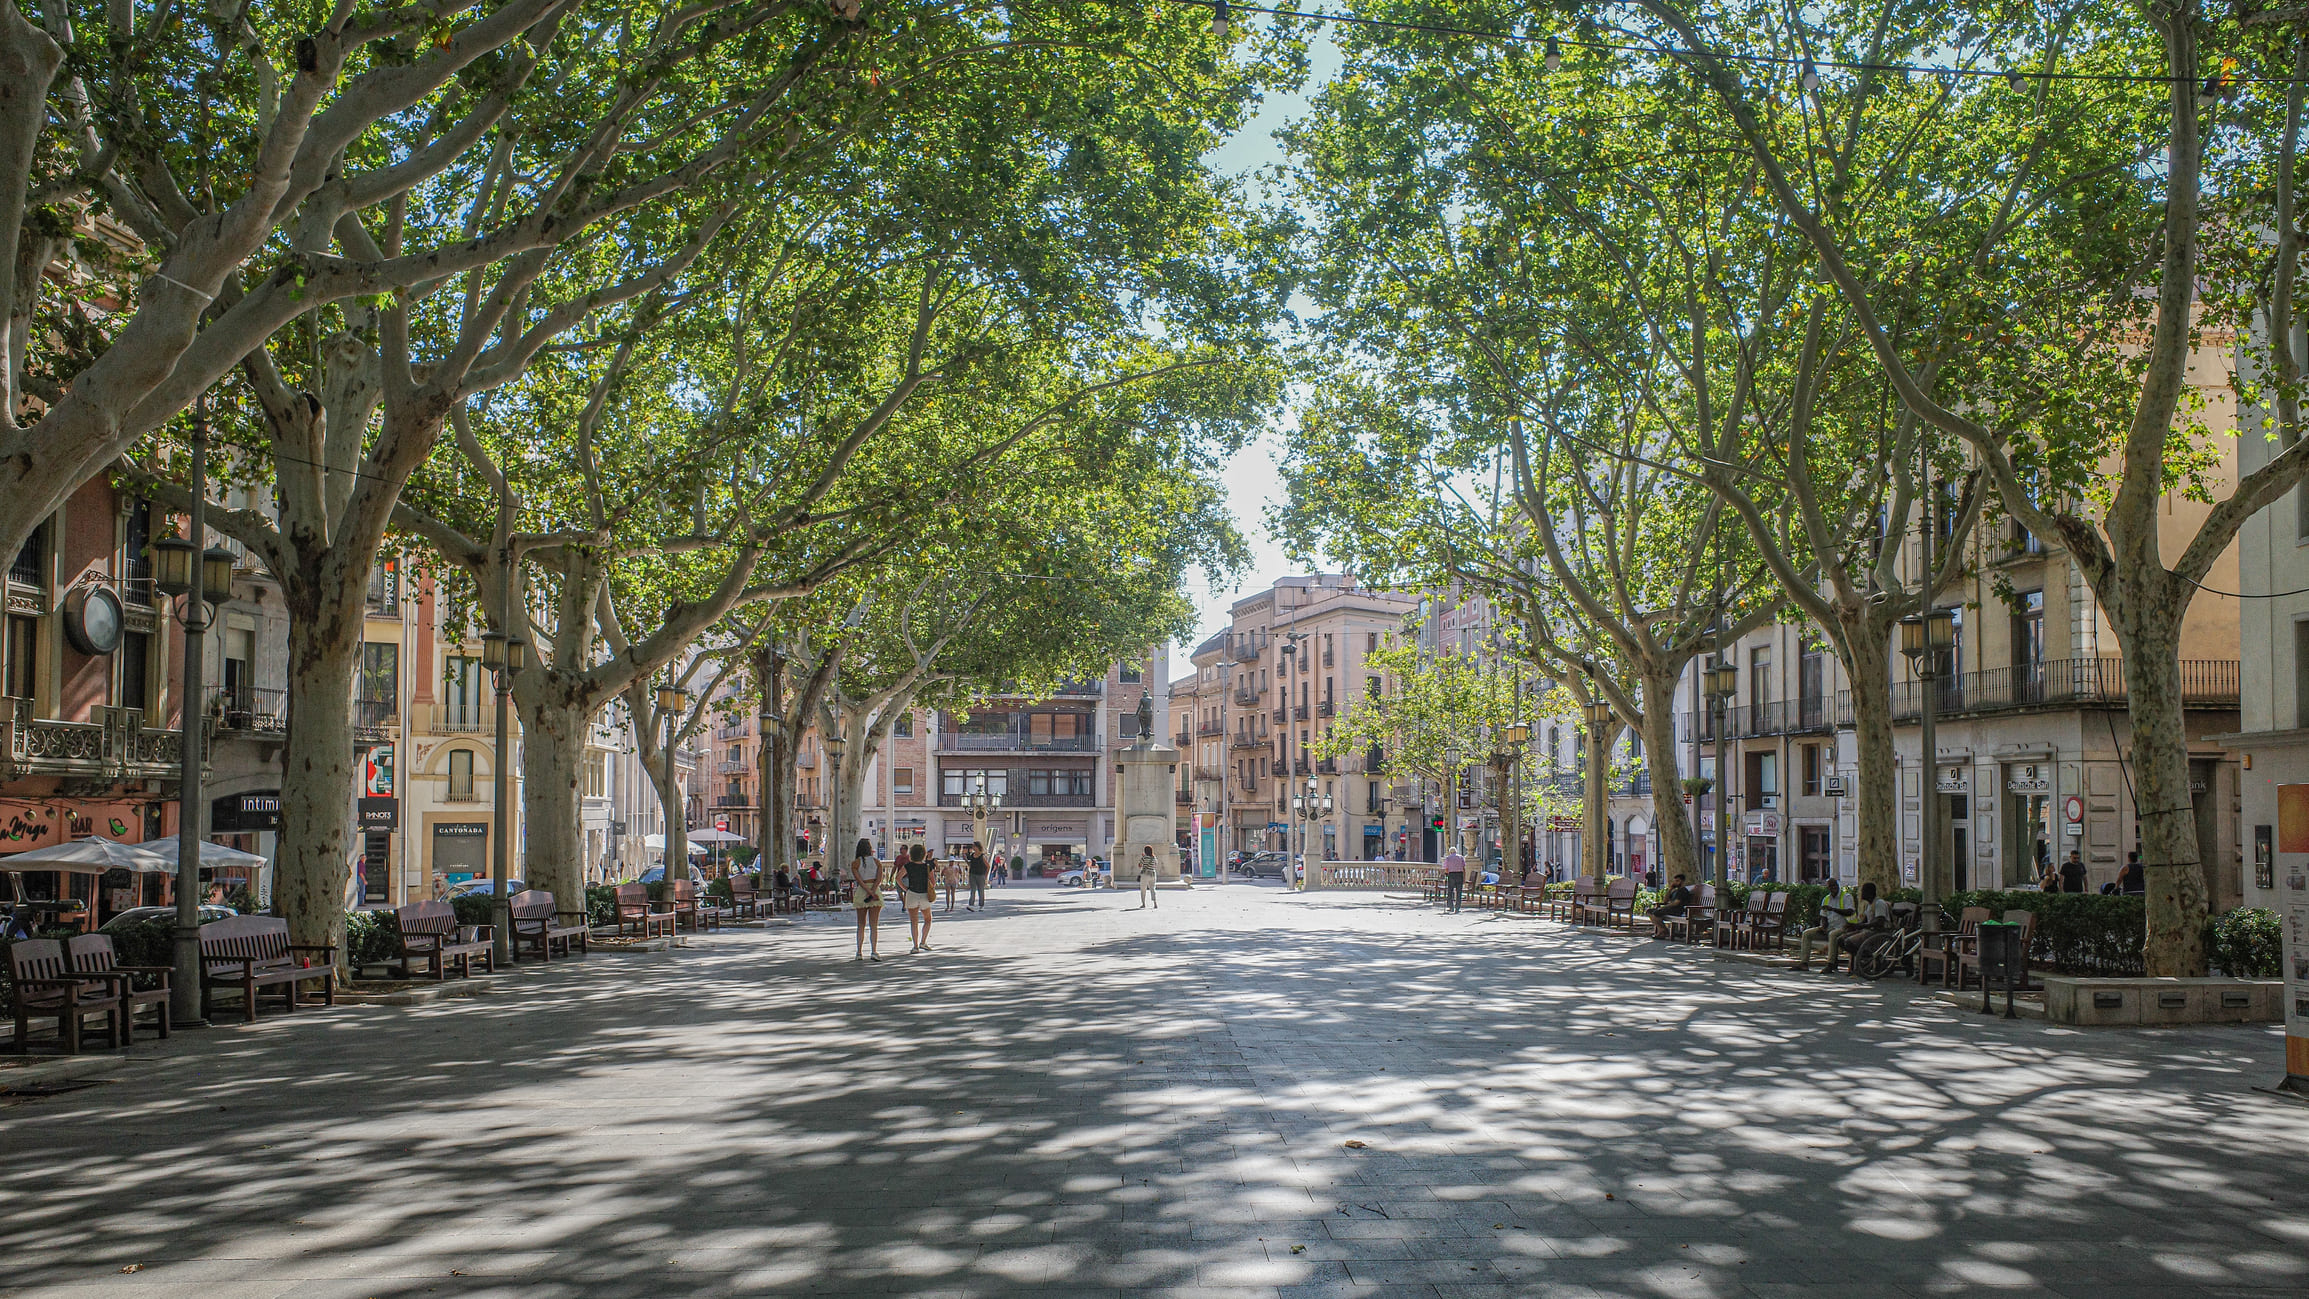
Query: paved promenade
x=1242, y=1093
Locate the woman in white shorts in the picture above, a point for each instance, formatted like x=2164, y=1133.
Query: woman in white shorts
x=864, y=876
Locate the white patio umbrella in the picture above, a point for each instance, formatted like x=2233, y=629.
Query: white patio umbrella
x=212, y=855
x=714, y=836
x=657, y=841
x=90, y=856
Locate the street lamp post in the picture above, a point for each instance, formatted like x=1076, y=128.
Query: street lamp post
x=1510, y=762
x=503, y=655
x=1722, y=682
x=181, y=568
x=673, y=701
x=981, y=805
x=1599, y=719
x=1924, y=638
x=1310, y=807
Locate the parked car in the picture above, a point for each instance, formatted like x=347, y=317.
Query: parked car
x=483, y=884
x=138, y=915
x=1263, y=865
x=1072, y=878
x=656, y=875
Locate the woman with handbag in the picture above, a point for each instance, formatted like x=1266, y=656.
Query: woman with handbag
x=864, y=876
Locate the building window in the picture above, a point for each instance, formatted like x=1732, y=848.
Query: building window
x=461, y=694
x=29, y=566
x=2028, y=633
x=135, y=665
x=1811, y=769
x=1131, y=674
x=1370, y=642
x=904, y=726
x=902, y=780
x=460, y=775
x=597, y=775
x=1038, y=781
x=955, y=782
x=23, y=650
x=136, y=557
x=380, y=679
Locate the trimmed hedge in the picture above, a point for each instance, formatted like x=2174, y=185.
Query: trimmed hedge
x=2076, y=933
x=2246, y=943
x=601, y=904
x=371, y=938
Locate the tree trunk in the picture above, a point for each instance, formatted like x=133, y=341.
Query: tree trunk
x=317, y=767
x=777, y=759
x=552, y=763
x=1679, y=855
x=1878, y=798
x=1598, y=801
x=2174, y=946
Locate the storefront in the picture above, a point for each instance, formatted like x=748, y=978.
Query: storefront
x=459, y=852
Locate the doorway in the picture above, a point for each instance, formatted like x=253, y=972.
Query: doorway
x=1819, y=866
x=1955, y=816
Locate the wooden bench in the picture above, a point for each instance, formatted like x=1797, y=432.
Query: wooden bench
x=1950, y=946
x=1567, y=905
x=697, y=911
x=1701, y=914
x=1732, y=926
x=745, y=898
x=633, y=913
x=540, y=926
x=1619, y=904
x=427, y=932
x=253, y=953
x=1770, y=924
x=93, y=955
x=41, y=985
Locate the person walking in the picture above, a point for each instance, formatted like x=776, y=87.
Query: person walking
x=1148, y=872
x=865, y=879
x=1454, y=879
x=975, y=862
x=914, y=892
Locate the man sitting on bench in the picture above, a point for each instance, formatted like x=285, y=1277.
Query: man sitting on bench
x=1874, y=915
x=1835, y=912
x=1676, y=901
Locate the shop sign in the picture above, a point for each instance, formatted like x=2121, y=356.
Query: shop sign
x=460, y=829
x=1764, y=824
x=2027, y=778
x=1955, y=780
x=380, y=814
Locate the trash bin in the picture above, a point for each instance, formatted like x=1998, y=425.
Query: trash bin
x=2001, y=961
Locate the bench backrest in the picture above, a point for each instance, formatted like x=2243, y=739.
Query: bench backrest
x=533, y=904
x=227, y=942
x=1776, y=903
x=632, y=898
x=91, y=953
x=36, y=958
x=1622, y=889
x=1969, y=921
x=741, y=889
x=1757, y=901
x=1586, y=887
x=2027, y=922
x=426, y=920
x=685, y=893
x=1707, y=900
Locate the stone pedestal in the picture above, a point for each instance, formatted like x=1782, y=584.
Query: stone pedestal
x=1145, y=773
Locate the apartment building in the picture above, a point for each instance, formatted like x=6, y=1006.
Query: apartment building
x=1260, y=696
x=90, y=665
x=2033, y=742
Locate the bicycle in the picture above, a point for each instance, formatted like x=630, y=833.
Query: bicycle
x=1893, y=949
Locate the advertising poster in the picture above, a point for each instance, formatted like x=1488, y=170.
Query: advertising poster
x=377, y=772
x=2293, y=907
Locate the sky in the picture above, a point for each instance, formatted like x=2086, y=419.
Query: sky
x=1254, y=478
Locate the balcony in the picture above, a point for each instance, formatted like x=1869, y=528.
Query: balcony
x=733, y=800
x=116, y=746
x=1326, y=656
x=1298, y=712
x=729, y=765
x=1015, y=799
x=1014, y=742
x=1299, y=766
x=374, y=719
x=1246, y=696
x=1326, y=709
x=1246, y=647
x=1246, y=740
x=1327, y=766
x=2209, y=684
x=807, y=761
x=1282, y=714
x=1183, y=797
x=1210, y=728
x=1209, y=773
x=1182, y=740
x=453, y=719
x=1082, y=689
x=246, y=710
x=461, y=790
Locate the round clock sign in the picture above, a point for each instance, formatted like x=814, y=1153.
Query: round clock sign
x=92, y=620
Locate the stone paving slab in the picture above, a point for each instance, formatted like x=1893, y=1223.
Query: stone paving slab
x=1070, y=1096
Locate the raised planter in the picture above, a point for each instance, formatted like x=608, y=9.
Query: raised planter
x=2153, y=1002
